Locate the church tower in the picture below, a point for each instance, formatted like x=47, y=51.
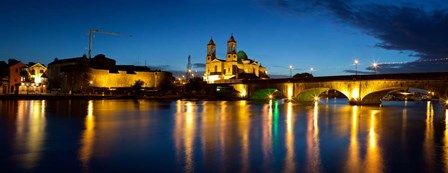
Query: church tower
x=231, y=49
x=211, y=51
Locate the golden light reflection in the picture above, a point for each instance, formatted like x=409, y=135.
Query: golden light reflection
x=88, y=138
x=312, y=140
x=223, y=123
x=374, y=158
x=290, y=164
x=210, y=125
x=31, y=130
x=267, y=133
x=189, y=135
x=445, y=142
x=185, y=133
x=354, y=162
x=428, y=144
x=244, y=127
x=404, y=121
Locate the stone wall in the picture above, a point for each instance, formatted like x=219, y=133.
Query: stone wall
x=104, y=79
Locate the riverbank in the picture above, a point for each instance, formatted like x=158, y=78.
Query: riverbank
x=104, y=97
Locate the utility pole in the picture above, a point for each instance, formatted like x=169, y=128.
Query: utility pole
x=91, y=31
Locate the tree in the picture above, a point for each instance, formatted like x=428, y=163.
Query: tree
x=195, y=85
x=303, y=75
x=137, y=87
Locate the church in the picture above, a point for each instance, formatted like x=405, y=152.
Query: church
x=235, y=66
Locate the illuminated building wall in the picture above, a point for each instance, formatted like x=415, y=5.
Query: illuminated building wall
x=105, y=79
x=15, y=68
x=33, y=79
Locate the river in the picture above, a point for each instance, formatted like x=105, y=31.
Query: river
x=221, y=136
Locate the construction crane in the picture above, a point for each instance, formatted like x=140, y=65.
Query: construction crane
x=91, y=31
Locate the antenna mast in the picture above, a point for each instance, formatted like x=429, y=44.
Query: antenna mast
x=189, y=74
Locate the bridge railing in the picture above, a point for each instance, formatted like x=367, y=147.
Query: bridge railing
x=228, y=81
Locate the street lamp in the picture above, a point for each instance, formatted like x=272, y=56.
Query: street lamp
x=375, y=66
x=311, y=70
x=290, y=71
x=356, y=67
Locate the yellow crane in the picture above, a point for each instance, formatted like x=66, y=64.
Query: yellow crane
x=91, y=31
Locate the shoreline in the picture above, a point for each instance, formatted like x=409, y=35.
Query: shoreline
x=106, y=97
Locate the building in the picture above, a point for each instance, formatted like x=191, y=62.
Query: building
x=19, y=78
x=101, y=75
x=237, y=65
x=35, y=80
x=15, y=75
x=4, y=77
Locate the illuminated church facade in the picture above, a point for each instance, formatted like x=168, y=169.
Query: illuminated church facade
x=237, y=65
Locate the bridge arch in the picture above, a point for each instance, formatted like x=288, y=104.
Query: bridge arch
x=311, y=94
x=267, y=93
x=376, y=97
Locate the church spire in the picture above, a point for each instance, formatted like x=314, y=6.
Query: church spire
x=231, y=39
x=231, y=45
x=211, y=51
x=211, y=42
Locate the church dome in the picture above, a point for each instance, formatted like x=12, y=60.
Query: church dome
x=241, y=55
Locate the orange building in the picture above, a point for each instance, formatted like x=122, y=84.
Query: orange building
x=15, y=77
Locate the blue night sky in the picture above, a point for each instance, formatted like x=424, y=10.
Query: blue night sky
x=402, y=36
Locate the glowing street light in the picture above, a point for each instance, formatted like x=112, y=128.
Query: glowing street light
x=356, y=67
x=311, y=70
x=290, y=71
x=375, y=66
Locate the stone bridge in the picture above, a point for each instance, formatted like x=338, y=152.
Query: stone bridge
x=360, y=89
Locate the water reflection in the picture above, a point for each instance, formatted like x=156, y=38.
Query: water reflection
x=243, y=117
x=445, y=143
x=220, y=136
x=374, y=159
x=88, y=138
x=266, y=141
x=290, y=165
x=30, y=131
x=312, y=138
x=184, y=133
x=428, y=145
x=354, y=161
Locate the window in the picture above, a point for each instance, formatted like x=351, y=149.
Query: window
x=41, y=71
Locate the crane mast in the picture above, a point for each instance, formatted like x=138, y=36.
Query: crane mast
x=91, y=31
